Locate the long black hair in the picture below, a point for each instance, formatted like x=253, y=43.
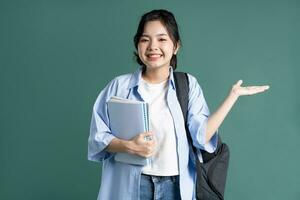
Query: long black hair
x=168, y=20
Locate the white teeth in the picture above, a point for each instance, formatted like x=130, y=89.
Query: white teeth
x=154, y=56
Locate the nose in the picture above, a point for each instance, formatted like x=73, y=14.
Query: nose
x=152, y=45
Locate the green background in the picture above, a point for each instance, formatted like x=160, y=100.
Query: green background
x=56, y=56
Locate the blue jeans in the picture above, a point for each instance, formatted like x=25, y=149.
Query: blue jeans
x=159, y=187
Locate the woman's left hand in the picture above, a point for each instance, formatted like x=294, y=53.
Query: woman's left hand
x=239, y=90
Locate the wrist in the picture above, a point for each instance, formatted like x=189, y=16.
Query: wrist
x=233, y=94
x=128, y=146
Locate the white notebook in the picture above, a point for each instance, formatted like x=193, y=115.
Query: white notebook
x=128, y=118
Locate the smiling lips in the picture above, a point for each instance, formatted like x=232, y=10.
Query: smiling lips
x=153, y=57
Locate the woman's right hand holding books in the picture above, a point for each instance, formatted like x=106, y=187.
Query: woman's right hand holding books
x=143, y=144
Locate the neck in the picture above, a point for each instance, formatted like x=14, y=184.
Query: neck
x=156, y=75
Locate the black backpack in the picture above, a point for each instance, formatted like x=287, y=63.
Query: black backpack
x=211, y=174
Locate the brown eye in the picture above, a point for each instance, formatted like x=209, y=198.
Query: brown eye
x=143, y=40
x=162, y=39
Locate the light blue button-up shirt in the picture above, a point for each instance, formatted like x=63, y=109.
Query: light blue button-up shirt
x=121, y=181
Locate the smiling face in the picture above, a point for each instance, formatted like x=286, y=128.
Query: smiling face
x=155, y=47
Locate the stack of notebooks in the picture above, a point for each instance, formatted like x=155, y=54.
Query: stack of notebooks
x=128, y=118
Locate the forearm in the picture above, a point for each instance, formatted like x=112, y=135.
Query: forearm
x=138, y=145
x=216, y=119
x=117, y=145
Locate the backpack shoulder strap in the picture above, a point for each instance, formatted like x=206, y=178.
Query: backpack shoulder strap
x=182, y=91
x=213, y=163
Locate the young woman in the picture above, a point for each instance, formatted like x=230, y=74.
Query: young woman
x=171, y=175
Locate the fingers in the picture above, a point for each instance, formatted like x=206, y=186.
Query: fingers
x=145, y=144
x=149, y=151
x=257, y=89
x=239, y=83
x=147, y=136
x=265, y=87
x=249, y=90
x=262, y=87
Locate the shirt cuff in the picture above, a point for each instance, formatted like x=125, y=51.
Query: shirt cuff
x=96, y=151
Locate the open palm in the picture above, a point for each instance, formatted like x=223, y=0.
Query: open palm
x=249, y=90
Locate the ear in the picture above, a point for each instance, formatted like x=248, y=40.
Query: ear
x=176, y=48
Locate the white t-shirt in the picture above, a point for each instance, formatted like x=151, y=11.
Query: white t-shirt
x=164, y=162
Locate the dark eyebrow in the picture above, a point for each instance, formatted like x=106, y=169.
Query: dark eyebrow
x=162, y=34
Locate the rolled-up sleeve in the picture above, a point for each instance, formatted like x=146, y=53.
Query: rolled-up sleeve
x=100, y=134
x=198, y=113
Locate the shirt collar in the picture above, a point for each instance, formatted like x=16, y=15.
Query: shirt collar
x=137, y=76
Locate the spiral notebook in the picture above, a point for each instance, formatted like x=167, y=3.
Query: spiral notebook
x=128, y=118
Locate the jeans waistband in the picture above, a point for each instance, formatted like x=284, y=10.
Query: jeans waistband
x=161, y=178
